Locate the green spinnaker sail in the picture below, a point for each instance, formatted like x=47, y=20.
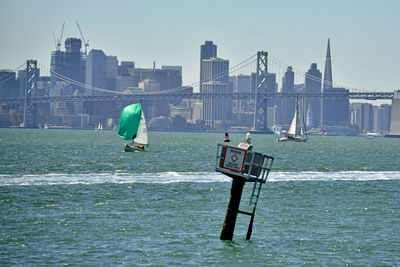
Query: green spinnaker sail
x=129, y=121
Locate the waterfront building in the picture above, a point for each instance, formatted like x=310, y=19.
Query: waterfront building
x=336, y=110
x=313, y=104
x=362, y=115
x=207, y=50
x=383, y=118
x=395, y=116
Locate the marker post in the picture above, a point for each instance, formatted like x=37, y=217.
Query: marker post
x=242, y=165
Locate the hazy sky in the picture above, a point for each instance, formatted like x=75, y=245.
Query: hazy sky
x=364, y=34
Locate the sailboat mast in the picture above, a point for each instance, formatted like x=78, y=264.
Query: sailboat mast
x=297, y=114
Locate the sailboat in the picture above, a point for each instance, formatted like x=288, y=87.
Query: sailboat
x=99, y=127
x=132, y=126
x=297, y=129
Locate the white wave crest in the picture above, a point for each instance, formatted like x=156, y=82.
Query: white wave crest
x=192, y=177
x=334, y=176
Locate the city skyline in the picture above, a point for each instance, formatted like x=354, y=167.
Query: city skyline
x=363, y=43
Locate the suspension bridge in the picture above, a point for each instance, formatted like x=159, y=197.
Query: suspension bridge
x=261, y=60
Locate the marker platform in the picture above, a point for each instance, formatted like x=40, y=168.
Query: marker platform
x=242, y=165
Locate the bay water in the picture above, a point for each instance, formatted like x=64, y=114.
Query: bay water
x=70, y=197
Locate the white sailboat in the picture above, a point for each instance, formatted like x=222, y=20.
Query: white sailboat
x=297, y=130
x=99, y=127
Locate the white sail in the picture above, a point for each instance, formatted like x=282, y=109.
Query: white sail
x=141, y=136
x=99, y=127
x=292, y=128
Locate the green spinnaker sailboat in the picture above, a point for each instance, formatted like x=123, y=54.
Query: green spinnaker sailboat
x=132, y=126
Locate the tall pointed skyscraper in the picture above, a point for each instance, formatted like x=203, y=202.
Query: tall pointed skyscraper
x=334, y=111
x=326, y=83
x=328, y=70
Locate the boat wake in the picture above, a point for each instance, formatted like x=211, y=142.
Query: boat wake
x=182, y=177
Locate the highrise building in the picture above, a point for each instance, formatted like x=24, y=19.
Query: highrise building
x=327, y=84
x=216, y=110
x=383, y=123
x=288, y=103
x=207, y=50
x=96, y=71
x=272, y=87
x=170, y=77
x=67, y=73
x=125, y=68
x=101, y=73
x=313, y=104
x=8, y=84
x=336, y=110
x=362, y=115
x=178, y=69
x=241, y=84
x=395, y=116
x=68, y=64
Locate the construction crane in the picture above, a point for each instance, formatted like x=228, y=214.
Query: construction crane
x=58, y=41
x=86, y=43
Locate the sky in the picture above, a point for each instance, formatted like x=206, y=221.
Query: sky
x=364, y=34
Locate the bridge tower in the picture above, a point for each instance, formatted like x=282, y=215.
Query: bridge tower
x=30, y=91
x=260, y=102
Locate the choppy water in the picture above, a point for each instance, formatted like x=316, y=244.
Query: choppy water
x=75, y=198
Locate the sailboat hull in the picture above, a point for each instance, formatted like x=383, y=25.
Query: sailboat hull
x=133, y=148
x=292, y=139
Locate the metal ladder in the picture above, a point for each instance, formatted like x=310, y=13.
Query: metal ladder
x=255, y=194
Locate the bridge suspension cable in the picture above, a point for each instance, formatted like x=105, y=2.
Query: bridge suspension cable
x=305, y=75
x=233, y=69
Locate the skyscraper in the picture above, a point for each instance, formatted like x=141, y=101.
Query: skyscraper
x=313, y=104
x=288, y=103
x=327, y=84
x=334, y=111
x=101, y=72
x=96, y=71
x=207, y=50
x=328, y=70
x=215, y=73
x=395, y=116
x=69, y=63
